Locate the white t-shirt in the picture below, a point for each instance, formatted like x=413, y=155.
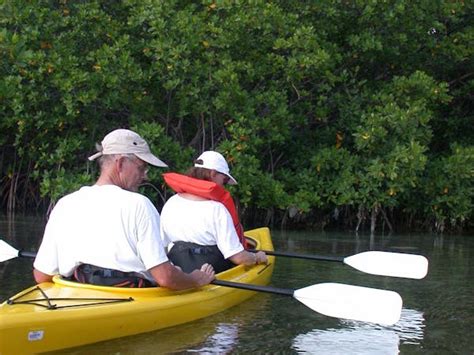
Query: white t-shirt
x=204, y=222
x=104, y=226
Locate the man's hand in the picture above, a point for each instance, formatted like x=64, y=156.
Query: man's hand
x=204, y=276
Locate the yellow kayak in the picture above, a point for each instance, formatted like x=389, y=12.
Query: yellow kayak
x=64, y=314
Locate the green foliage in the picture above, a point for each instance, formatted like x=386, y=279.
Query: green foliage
x=316, y=105
x=392, y=137
x=449, y=188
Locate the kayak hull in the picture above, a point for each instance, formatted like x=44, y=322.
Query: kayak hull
x=64, y=314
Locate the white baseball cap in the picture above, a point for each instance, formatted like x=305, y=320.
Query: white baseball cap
x=124, y=141
x=214, y=161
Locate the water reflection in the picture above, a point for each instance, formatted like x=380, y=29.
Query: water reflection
x=410, y=327
x=363, y=338
x=222, y=341
x=167, y=341
x=217, y=334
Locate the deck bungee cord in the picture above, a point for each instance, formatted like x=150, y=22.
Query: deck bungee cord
x=87, y=301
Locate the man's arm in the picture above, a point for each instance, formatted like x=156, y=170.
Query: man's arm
x=167, y=275
x=41, y=276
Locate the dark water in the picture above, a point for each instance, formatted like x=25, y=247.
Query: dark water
x=437, y=315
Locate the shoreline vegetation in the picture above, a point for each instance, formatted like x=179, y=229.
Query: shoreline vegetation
x=352, y=114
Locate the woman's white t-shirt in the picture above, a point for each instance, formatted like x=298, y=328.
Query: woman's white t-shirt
x=203, y=222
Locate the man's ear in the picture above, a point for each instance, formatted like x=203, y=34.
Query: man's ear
x=119, y=163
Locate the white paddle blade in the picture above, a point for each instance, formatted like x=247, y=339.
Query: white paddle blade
x=389, y=264
x=352, y=302
x=7, y=252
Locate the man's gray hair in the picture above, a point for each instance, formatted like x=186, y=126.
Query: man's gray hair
x=109, y=158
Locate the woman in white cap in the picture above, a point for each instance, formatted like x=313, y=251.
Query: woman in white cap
x=200, y=221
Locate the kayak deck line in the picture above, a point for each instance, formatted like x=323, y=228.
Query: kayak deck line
x=264, y=268
x=51, y=306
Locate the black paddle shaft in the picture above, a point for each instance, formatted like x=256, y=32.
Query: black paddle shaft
x=251, y=287
x=27, y=254
x=301, y=256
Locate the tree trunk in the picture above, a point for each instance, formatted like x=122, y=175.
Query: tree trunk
x=373, y=218
x=360, y=217
x=386, y=220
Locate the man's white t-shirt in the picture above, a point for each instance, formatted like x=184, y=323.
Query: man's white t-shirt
x=105, y=226
x=203, y=222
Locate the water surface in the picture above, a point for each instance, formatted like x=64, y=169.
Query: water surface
x=437, y=314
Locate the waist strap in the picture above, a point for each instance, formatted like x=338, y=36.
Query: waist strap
x=191, y=256
x=95, y=275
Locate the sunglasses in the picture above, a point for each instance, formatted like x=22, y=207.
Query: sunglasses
x=226, y=178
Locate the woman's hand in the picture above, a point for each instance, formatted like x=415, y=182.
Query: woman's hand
x=261, y=258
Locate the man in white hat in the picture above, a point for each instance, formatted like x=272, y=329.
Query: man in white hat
x=108, y=233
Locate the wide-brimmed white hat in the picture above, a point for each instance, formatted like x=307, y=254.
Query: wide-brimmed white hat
x=124, y=141
x=214, y=161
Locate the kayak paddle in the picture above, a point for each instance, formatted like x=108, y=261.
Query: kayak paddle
x=331, y=299
x=339, y=300
x=382, y=263
x=7, y=252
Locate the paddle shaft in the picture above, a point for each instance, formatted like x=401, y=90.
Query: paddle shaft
x=301, y=256
x=27, y=254
x=250, y=287
x=371, y=262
